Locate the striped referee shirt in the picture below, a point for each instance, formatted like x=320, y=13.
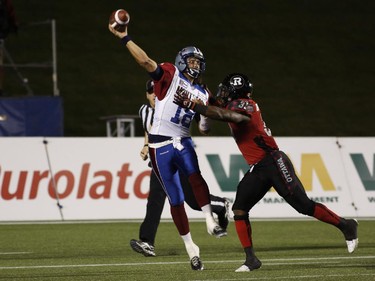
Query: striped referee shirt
x=146, y=112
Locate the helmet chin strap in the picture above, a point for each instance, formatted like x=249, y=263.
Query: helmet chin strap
x=192, y=72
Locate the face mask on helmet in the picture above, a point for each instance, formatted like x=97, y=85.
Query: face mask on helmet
x=234, y=86
x=182, y=61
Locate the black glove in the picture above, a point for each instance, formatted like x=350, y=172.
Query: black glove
x=183, y=100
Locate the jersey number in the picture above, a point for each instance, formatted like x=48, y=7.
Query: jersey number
x=187, y=116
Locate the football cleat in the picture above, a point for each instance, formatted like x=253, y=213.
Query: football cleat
x=217, y=231
x=196, y=263
x=143, y=248
x=351, y=236
x=223, y=217
x=250, y=265
x=352, y=245
x=243, y=268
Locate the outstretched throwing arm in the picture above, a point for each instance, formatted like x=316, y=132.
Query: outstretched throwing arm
x=138, y=54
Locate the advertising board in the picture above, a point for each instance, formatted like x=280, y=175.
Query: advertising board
x=105, y=178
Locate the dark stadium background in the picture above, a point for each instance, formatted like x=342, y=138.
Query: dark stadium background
x=311, y=61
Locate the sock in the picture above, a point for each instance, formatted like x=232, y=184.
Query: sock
x=180, y=219
x=191, y=248
x=210, y=221
x=324, y=214
x=249, y=251
x=243, y=229
x=187, y=238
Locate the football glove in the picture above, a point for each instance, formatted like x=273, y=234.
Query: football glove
x=183, y=100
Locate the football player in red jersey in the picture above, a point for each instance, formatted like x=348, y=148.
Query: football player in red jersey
x=268, y=166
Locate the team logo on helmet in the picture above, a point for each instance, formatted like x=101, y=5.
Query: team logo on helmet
x=234, y=86
x=237, y=81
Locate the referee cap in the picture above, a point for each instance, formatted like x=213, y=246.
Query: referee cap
x=150, y=86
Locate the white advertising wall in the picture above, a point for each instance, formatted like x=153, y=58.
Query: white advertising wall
x=105, y=178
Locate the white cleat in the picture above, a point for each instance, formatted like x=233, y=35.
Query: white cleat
x=243, y=268
x=352, y=245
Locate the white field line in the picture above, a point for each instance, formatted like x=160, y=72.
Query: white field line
x=15, y=253
x=266, y=262
x=290, y=277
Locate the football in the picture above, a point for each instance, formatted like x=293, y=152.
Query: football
x=119, y=19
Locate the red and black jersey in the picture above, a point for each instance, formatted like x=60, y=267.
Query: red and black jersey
x=253, y=138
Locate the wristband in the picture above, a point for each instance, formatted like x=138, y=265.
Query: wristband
x=145, y=145
x=126, y=39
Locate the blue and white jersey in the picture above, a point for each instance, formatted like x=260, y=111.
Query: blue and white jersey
x=170, y=119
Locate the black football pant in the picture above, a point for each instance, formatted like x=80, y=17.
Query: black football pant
x=274, y=170
x=154, y=208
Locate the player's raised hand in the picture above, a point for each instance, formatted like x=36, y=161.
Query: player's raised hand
x=118, y=23
x=119, y=34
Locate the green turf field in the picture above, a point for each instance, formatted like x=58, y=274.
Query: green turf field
x=289, y=250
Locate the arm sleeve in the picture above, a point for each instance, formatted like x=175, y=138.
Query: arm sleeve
x=165, y=75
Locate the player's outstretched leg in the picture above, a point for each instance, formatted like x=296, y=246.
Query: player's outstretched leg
x=348, y=227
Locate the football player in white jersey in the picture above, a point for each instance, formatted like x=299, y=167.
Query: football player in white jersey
x=170, y=145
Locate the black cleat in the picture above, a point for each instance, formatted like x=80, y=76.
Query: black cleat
x=250, y=265
x=350, y=234
x=218, y=232
x=196, y=263
x=143, y=248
